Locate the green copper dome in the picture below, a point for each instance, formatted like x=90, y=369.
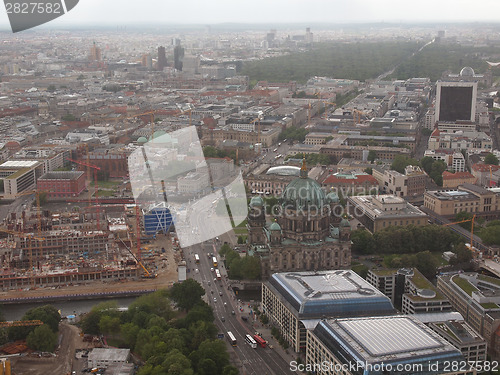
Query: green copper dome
x=256, y=201
x=274, y=226
x=345, y=223
x=142, y=140
x=303, y=192
x=331, y=197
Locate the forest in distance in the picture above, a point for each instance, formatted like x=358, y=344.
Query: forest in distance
x=368, y=60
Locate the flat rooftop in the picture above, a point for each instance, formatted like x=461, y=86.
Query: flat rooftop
x=394, y=339
x=336, y=293
x=19, y=164
x=372, y=209
x=62, y=175
x=110, y=355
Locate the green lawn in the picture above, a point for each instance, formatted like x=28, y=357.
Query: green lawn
x=106, y=193
x=464, y=285
x=106, y=184
x=240, y=231
x=489, y=305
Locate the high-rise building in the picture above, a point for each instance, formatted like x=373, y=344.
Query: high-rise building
x=178, y=57
x=162, y=58
x=456, y=101
x=95, y=53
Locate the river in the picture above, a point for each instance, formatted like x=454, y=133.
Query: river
x=16, y=312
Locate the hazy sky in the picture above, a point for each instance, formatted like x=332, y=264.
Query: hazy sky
x=123, y=12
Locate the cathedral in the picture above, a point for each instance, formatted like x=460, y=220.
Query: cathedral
x=304, y=233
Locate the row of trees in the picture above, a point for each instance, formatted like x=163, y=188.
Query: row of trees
x=239, y=268
x=313, y=159
x=43, y=337
x=169, y=342
x=295, y=133
x=403, y=240
x=214, y=152
x=434, y=168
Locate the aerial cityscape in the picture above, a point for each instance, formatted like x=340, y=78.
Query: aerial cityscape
x=221, y=191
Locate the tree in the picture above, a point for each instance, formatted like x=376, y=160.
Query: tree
x=187, y=294
x=426, y=132
x=362, y=242
x=264, y=319
x=491, y=233
x=51, y=88
x=68, y=117
x=491, y=159
x=372, y=155
x=199, y=312
x=177, y=363
x=426, y=163
x=400, y=162
x=230, y=370
x=213, y=350
x=224, y=249
x=42, y=196
x=42, y=338
x=109, y=325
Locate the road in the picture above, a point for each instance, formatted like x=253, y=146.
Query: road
x=260, y=361
x=270, y=156
x=17, y=206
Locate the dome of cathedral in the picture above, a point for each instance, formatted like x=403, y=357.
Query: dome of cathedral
x=332, y=197
x=256, y=201
x=274, y=226
x=345, y=223
x=303, y=191
x=142, y=140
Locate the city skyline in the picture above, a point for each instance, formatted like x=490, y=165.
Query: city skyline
x=94, y=13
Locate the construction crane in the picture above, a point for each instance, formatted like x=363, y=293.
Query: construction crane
x=21, y=323
x=96, y=189
x=326, y=108
x=147, y=273
x=39, y=212
x=472, y=228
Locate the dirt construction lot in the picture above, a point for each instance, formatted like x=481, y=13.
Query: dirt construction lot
x=61, y=364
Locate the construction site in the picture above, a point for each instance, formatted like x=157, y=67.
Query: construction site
x=104, y=247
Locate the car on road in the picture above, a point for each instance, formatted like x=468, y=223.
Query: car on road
x=209, y=283
x=225, y=303
x=215, y=299
x=220, y=294
x=232, y=312
x=244, y=318
x=222, y=319
x=211, y=269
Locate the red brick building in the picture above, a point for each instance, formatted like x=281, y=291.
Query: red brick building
x=112, y=163
x=62, y=184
